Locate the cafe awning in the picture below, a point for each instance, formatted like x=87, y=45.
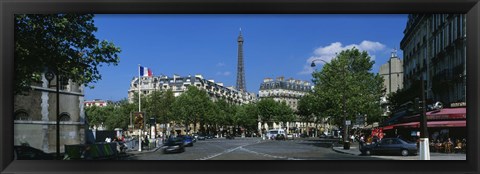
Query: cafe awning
x=447, y=114
x=453, y=123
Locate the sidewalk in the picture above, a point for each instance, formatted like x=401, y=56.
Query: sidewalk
x=136, y=152
x=352, y=151
x=433, y=155
x=134, y=149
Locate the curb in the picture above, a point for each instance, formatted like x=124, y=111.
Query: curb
x=339, y=151
x=144, y=151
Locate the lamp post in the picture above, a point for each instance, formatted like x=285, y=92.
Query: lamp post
x=424, y=144
x=49, y=75
x=346, y=142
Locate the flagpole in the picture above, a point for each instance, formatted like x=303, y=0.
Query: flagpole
x=139, y=110
x=139, y=86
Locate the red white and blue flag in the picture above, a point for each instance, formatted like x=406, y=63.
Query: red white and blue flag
x=144, y=71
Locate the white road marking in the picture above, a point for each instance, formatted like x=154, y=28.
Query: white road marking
x=226, y=151
x=268, y=155
x=249, y=151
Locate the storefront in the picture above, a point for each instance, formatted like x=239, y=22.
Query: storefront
x=442, y=124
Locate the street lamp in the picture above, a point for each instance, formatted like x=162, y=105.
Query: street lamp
x=424, y=143
x=346, y=142
x=49, y=75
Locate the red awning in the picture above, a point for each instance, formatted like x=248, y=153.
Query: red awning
x=447, y=113
x=455, y=123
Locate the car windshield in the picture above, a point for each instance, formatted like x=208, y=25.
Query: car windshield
x=273, y=132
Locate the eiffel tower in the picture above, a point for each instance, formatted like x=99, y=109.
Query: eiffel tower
x=240, y=67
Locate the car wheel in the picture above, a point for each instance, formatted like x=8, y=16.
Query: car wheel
x=368, y=152
x=404, y=152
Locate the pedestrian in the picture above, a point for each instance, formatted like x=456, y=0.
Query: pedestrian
x=362, y=141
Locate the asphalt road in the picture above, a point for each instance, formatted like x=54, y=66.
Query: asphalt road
x=254, y=149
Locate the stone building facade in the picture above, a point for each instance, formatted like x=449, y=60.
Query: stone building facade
x=434, y=46
x=35, y=116
x=392, y=74
x=179, y=84
x=288, y=90
x=96, y=102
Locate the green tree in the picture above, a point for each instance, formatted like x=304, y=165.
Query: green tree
x=61, y=42
x=192, y=106
x=95, y=115
x=267, y=110
x=284, y=113
x=247, y=115
x=213, y=119
x=159, y=105
x=347, y=81
x=307, y=108
x=115, y=115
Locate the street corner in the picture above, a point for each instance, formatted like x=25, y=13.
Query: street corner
x=351, y=151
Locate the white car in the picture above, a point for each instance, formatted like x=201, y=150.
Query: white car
x=272, y=133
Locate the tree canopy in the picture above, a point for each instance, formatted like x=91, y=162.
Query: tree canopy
x=348, y=80
x=63, y=43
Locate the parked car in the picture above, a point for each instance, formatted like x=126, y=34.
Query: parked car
x=280, y=137
x=230, y=136
x=195, y=137
x=201, y=137
x=272, y=133
x=323, y=135
x=390, y=146
x=30, y=153
x=290, y=137
x=174, y=145
x=304, y=135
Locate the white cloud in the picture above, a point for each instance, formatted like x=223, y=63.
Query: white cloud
x=220, y=64
x=327, y=53
x=226, y=73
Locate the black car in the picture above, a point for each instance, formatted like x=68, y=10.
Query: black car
x=390, y=146
x=174, y=145
x=30, y=153
x=230, y=137
x=280, y=137
x=201, y=137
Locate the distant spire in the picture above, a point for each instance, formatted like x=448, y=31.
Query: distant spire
x=240, y=38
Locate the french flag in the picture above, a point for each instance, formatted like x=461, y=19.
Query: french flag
x=144, y=71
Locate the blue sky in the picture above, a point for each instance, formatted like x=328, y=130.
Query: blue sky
x=274, y=45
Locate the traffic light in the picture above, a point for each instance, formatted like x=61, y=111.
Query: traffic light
x=139, y=120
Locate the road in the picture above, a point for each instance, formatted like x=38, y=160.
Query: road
x=255, y=149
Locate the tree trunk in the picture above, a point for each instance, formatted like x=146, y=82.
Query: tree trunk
x=195, y=126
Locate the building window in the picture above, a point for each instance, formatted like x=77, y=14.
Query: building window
x=64, y=117
x=63, y=81
x=21, y=115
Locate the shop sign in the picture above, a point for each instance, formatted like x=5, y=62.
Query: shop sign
x=459, y=104
x=445, y=116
